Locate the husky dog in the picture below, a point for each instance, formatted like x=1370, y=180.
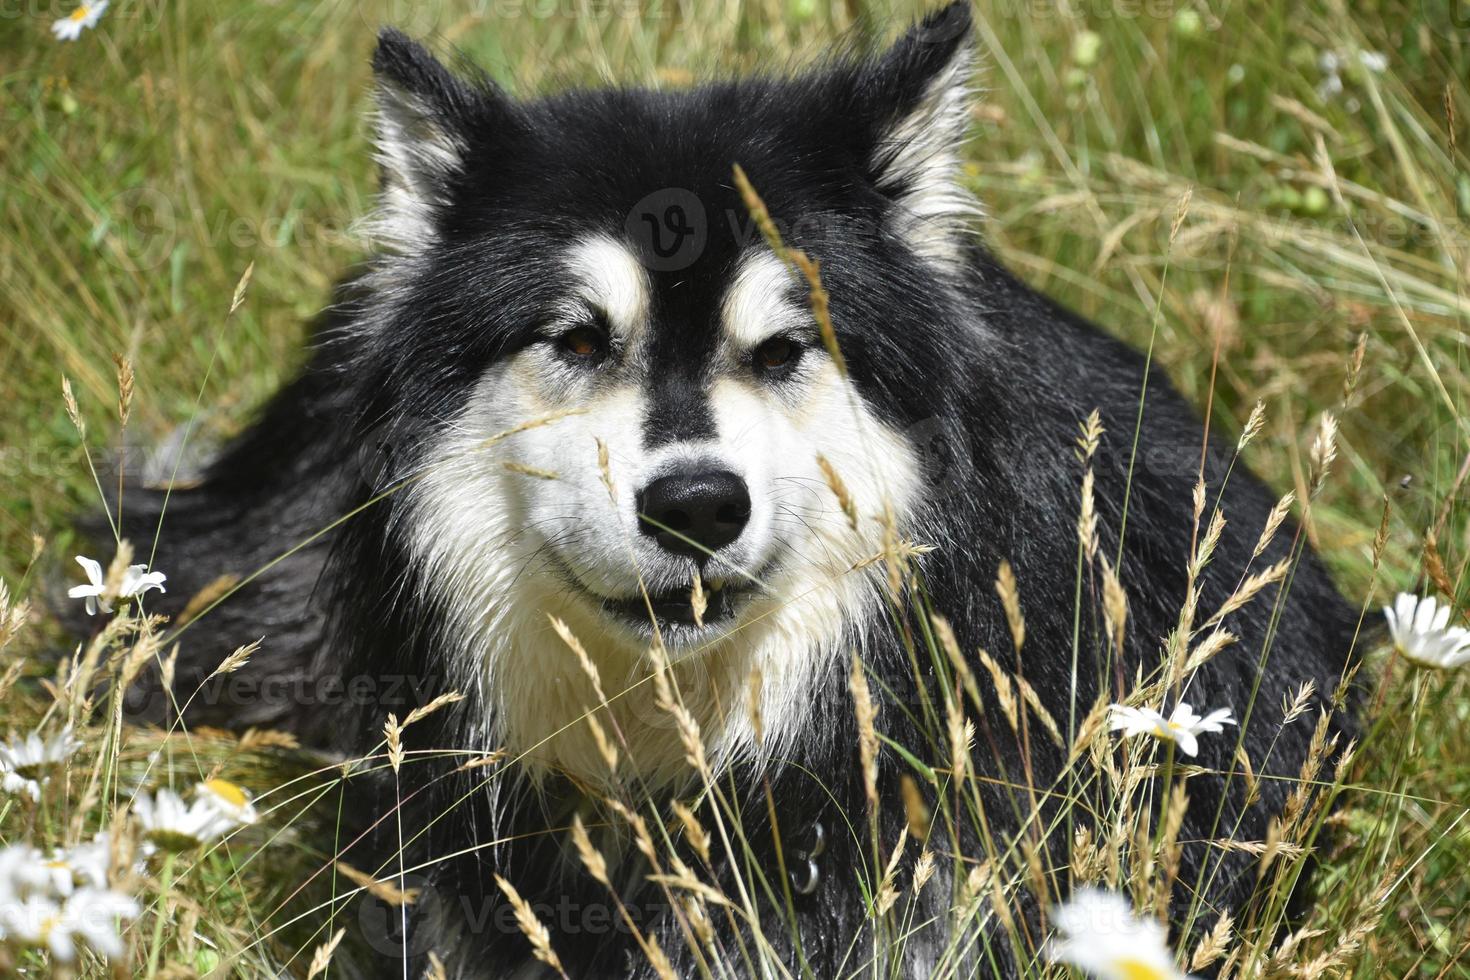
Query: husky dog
x=574, y=437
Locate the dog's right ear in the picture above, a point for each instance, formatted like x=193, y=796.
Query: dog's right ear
x=427, y=120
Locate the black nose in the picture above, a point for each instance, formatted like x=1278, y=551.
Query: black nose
x=709, y=509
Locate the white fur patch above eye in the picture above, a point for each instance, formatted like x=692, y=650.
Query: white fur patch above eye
x=613, y=281
x=757, y=304
x=919, y=160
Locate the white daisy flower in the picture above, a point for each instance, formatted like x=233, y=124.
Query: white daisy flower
x=96, y=587
x=34, y=757
x=15, y=785
x=70, y=27
x=1421, y=632
x=1097, y=932
x=135, y=582
x=138, y=580
x=1183, y=727
x=23, y=871
x=60, y=901
x=172, y=825
x=229, y=799
x=90, y=915
x=83, y=866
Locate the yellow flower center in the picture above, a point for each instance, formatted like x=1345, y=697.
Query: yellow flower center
x=80, y=14
x=227, y=791
x=1139, y=970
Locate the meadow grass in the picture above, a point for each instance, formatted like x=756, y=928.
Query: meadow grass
x=147, y=165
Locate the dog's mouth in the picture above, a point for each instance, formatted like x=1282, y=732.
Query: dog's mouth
x=676, y=608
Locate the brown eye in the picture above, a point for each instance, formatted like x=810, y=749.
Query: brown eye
x=584, y=343
x=775, y=354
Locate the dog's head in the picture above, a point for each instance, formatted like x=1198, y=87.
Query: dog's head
x=621, y=408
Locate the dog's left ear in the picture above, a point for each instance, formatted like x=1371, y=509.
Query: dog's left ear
x=918, y=97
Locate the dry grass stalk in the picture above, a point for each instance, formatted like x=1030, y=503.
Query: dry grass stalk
x=604, y=467
x=1214, y=944
x=323, y=955
x=887, y=894
x=1207, y=649
x=1273, y=523
x=424, y=711
x=694, y=831
x=531, y=927
x=393, y=732
x=657, y=959
x=591, y=857
x=961, y=735
x=923, y=870
x=125, y=381
x=140, y=655
x=839, y=490
x=1115, y=606
x=605, y=746
x=1380, y=537
x=112, y=583
x=242, y=284
x=1248, y=589
x=531, y=471
x=382, y=890
x=916, y=811
x=642, y=839
x=1434, y=569
x=754, y=692
x=12, y=616
x=698, y=601
x=1004, y=690
x=480, y=762
x=436, y=969
x=808, y=267
x=684, y=879
x=699, y=921
x=1248, y=773
x=944, y=633
x=1086, y=859
x=72, y=412
x=1087, y=519
x=528, y=425
x=1091, y=434
x=1010, y=598
x=169, y=667
x=1181, y=211
x=589, y=667
x=255, y=739
x=1253, y=425
x=1294, y=707
x=215, y=590
x=894, y=565
x=690, y=738
x=1324, y=451
x=8, y=679
x=1093, y=724
x=1033, y=701
x=1169, y=851
x=1355, y=367
x=238, y=658
x=857, y=683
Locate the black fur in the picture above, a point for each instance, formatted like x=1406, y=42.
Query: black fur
x=998, y=374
